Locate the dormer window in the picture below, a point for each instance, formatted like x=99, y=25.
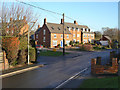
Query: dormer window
x=67, y=27
x=81, y=29
x=73, y=28
x=52, y=28
x=58, y=28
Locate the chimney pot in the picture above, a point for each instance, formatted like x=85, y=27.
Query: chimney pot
x=45, y=21
x=10, y=19
x=61, y=21
x=24, y=17
x=75, y=22
x=38, y=26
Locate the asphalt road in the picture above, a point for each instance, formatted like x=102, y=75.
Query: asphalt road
x=56, y=71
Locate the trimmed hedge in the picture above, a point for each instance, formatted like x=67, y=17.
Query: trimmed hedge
x=32, y=53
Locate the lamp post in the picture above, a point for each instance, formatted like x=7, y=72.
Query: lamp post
x=28, y=42
x=63, y=37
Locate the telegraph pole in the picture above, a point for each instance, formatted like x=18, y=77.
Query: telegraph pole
x=63, y=37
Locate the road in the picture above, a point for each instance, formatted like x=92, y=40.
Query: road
x=56, y=71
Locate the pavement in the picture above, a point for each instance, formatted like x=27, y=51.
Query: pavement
x=56, y=71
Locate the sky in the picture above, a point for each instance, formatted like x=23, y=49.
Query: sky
x=93, y=14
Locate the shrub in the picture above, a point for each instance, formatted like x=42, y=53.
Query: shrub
x=23, y=50
x=32, y=54
x=87, y=47
x=71, y=43
x=11, y=46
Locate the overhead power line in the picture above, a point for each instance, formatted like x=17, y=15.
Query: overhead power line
x=48, y=11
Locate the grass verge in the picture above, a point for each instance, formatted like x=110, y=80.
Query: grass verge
x=111, y=82
x=51, y=53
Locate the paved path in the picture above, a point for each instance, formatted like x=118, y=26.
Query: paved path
x=56, y=71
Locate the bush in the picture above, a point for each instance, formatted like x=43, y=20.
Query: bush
x=23, y=50
x=87, y=47
x=11, y=46
x=71, y=43
x=32, y=54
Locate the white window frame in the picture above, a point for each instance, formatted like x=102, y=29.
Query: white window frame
x=67, y=36
x=43, y=39
x=36, y=35
x=67, y=42
x=61, y=36
x=12, y=31
x=44, y=31
x=54, y=42
x=55, y=35
x=69, y=28
x=73, y=35
x=78, y=35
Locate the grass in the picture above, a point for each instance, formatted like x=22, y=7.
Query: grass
x=51, y=53
x=101, y=83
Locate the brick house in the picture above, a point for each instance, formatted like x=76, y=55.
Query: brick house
x=51, y=34
x=13, y=27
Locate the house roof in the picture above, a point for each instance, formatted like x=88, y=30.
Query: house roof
x=58, y=28
x=108, y=37
x=37, y=31
x=88, y=32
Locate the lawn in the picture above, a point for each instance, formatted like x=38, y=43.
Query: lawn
x=111, y=82
x=51, y=53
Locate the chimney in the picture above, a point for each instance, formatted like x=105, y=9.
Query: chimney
x=45, y=21
x=75, y=22
x=61, y=21
x=10, y=19
x=38, y=26
x=24, y=18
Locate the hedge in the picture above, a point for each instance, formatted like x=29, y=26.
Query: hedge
x=11, y=46
x=32, y=54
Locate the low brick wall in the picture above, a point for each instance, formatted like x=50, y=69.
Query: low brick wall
x=4, y=65
x=97, y=68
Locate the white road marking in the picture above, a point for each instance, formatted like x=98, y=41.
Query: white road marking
x=71, y=78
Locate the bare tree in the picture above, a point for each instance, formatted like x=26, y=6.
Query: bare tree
x=13, y=17
x=111, y=32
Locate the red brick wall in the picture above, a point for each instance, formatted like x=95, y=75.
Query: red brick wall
x=47, y=36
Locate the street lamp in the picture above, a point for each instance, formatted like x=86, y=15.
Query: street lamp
x=28, y=41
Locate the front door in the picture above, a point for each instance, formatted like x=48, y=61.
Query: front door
x=61, y=43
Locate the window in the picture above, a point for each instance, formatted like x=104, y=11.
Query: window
x=55, y=36
x=67, y=42
x=7, y=31
x=58, y=28
x=8, y=26
x=61, y=36
x=78, y=35
x=78, y=29
x=74, y=40
x=69, y=29
x=54, y=42
x=78, y=41
x=44, y=32
x=84, y=35
x=12, y=31
x=67, y=36
x=73, y=35
x=43, y=39
x=36, y=35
